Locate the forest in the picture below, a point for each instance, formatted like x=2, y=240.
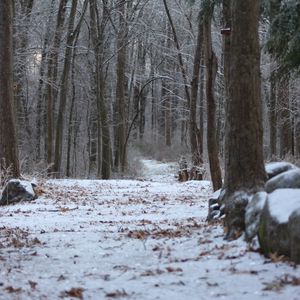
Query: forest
x=98, y=83
x=149, y=147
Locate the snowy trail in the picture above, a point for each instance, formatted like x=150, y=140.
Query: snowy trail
x=130, y=239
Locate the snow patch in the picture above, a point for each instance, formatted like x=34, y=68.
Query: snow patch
x=283, y=202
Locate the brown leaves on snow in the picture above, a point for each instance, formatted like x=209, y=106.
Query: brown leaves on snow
x=117, y=294
x=279, y=283
x=11, y=289
x=17, y=238
x=73, y=292
x=184, y=229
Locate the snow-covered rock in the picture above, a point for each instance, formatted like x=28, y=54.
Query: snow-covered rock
x=279, y=228
x=287, y=180
x=214, y=206
x=275, y=168
x=17, y=190
x=253, y=213
x=294, y=229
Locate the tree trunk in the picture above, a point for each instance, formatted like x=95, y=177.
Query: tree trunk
x=195, y=133
x=211, y=73
x=104, y=147
x=274, y=10
x=21, y=79
x=244, y=164
x=41, y=110
x=52, y=77
x=273, y=113
x=64, y=85
x=120, y=152
x=9, y=161
x=285, y=124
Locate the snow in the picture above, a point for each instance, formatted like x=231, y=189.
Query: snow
x=273, y=167
x=130, y=239
x=283, y=202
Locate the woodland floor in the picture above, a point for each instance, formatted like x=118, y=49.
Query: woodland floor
x=130, y=239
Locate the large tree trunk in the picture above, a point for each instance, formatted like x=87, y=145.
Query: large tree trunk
x=211, y=73
x=244, y=165
x=8, y=141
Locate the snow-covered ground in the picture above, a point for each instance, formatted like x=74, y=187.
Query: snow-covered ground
x=130, y=239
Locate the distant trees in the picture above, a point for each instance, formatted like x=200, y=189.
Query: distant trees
x=9, y=162
x=98, y=81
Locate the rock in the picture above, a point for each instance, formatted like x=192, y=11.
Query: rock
x=294, y=229
x=235, y=207
x=279, y=228
x=17, y=190
x=253, y=213
x=275, y=168
x=287, y=180
x=183, y=164
x=214, y=206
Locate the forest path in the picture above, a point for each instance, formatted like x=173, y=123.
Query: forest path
x=130, y=239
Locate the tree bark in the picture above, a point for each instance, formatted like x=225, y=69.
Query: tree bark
x=211, y=73
x=244, y=164
x=9, y=161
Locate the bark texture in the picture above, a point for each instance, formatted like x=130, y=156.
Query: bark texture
x=244, y=165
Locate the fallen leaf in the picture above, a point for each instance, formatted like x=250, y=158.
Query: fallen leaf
x=11, y=289
x=275, y=258
x=74, y=292
x=173, y=270
x=117, y=294
x=32, y=284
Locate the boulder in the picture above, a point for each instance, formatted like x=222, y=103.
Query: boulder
x=253, y=213
x=287, y=180
x=275, y=168
x=17, y=190
x=294, y=229
x=279, y=228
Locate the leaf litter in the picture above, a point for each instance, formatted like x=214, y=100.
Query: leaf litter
x=132, y=239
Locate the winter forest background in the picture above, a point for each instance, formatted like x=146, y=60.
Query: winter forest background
x=99, y=83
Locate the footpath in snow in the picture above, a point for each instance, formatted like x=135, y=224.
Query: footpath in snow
x=130, y=239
